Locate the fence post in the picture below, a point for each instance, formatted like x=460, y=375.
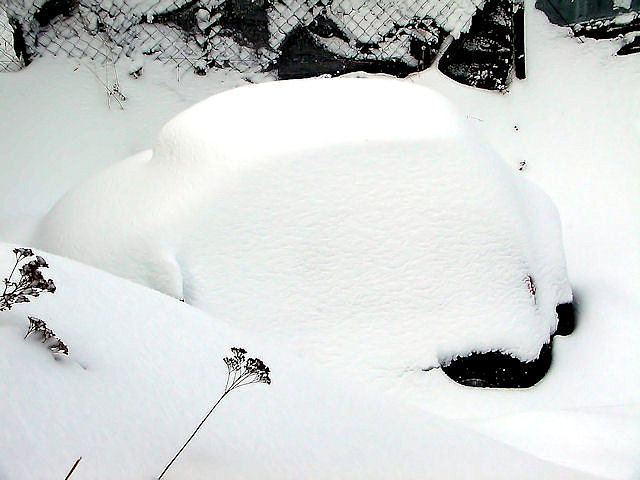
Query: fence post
x=519, y=39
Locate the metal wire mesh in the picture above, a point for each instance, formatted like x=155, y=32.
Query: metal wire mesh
x=9, y=61
x=238, y=34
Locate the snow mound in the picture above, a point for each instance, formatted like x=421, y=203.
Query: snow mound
x=143, y=370
x=357, y=220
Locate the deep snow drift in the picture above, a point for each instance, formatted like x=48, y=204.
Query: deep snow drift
x=369, y=245
x=578, y=120
x=143, y=370
x=55, y=134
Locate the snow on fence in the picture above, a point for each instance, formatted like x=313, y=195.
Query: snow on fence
x=241, y=34
x=9, y=60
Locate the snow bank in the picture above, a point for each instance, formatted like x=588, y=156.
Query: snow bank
x=143, y=370
x=375, y=240
x=57, y=133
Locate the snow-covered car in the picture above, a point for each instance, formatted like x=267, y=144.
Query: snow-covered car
x=358, y=220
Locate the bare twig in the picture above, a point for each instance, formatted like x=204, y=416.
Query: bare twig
x=111, y=91
x=72, y=469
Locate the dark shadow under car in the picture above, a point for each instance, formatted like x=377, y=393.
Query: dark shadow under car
x=497, y=369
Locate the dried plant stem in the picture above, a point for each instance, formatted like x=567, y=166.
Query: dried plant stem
x=72, y=469
x=241, y=371
x=30, y=282
x=193, y=434
x=110, y=92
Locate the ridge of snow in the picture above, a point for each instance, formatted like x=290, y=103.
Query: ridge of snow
x=143, y=370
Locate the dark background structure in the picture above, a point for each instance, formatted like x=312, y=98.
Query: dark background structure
x=294, y=38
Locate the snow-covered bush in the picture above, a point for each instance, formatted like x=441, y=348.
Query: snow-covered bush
x=373, y=238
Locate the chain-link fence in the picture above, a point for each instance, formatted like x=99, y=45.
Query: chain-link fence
x=240, y=34
x=9, y=61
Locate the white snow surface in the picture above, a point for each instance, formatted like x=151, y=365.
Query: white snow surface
x=611, y=431
x=578, y=131
x=376, y=247
x=144, y=369
x=625, y=4
x=66, y=132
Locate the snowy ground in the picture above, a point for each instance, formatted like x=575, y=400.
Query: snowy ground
x=144, y=368
x=578, y=130
x=64, y=130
